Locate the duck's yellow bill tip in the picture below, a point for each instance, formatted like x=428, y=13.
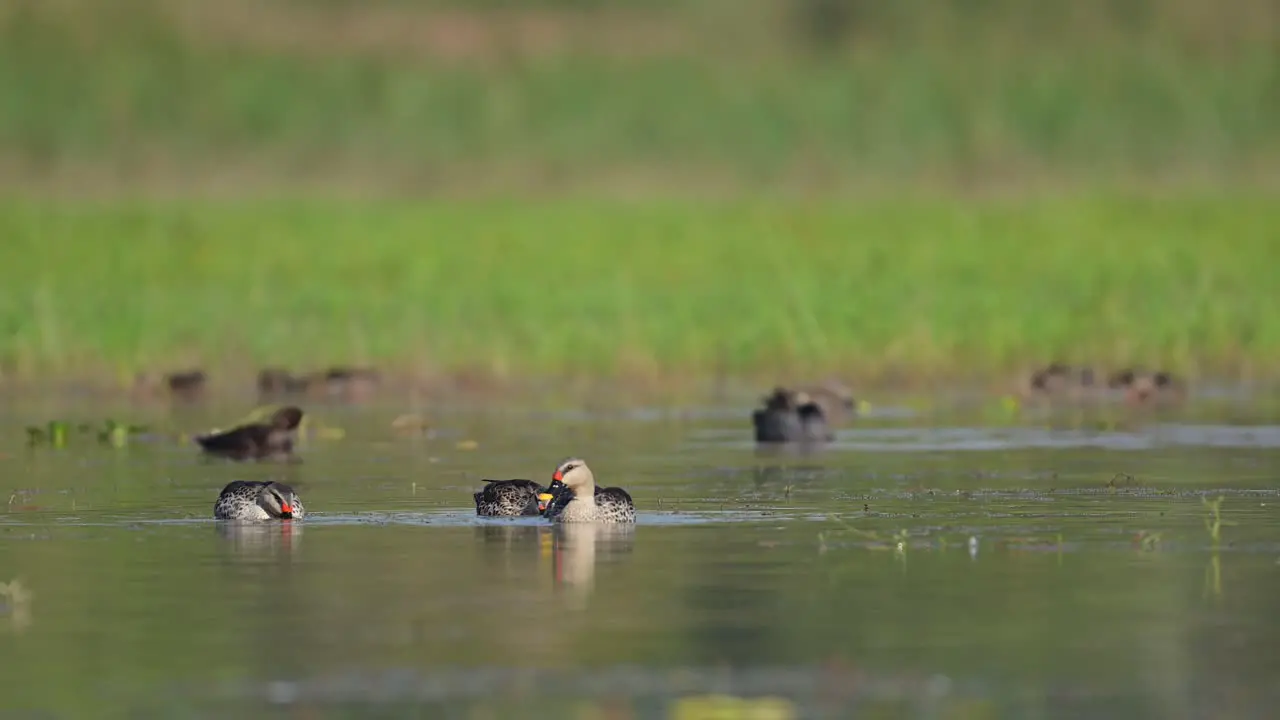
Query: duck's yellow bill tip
x=545, y=497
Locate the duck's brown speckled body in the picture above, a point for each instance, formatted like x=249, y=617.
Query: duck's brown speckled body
x=510, y=498
x=256, y=500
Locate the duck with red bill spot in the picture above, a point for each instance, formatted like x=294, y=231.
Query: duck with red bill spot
x=576, y=498
x=257, y=500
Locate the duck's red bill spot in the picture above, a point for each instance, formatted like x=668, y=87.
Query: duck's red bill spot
x=557, y=476
x=286, y=508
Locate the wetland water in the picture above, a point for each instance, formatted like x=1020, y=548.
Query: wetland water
x=939, y=566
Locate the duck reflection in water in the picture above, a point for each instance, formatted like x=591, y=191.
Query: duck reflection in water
x=512, y=549
x=578, y=548
x=261, y=539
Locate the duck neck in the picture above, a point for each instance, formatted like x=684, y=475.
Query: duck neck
x=587, y=493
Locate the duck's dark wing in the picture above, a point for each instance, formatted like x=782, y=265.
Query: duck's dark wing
x=613, y=494
x=776, y=425
x=523, y=485
x=241, y=487
x=239, y=443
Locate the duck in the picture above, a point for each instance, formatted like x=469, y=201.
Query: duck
x=276, y=381
x=1147, y=388
x=511, y=498
x=791, y=416
x=576, y=498
x=1061, y=381
x=186, y=385
x=258, y=500
x=255, y=441
x=352, y=383
x=339, y=381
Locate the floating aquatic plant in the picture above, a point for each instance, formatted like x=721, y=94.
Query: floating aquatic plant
x=54, y=433
x=1213, y=519
x=57, y=432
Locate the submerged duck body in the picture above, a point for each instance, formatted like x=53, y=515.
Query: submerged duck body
x=255, y=441
x=257, y=500
x=576, y=498
x=511, y=498
x=791, y=416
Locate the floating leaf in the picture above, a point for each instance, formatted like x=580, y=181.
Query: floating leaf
x=58, y=433
x=119, y=436
x=409, y=422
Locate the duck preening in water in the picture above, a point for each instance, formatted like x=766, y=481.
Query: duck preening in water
x=256, y=441
x=791, y=416
x=511, y=498
x=256, y=500
x=576, y=498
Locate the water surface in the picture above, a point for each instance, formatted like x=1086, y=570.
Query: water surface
x=922, y=566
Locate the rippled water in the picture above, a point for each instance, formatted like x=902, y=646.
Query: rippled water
x=960, y=566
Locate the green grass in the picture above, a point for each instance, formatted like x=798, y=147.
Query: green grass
x=934, y=287
x=668, y=98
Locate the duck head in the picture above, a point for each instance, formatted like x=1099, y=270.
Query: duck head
x=286, y=418
x=573, y=475
x=280, y=501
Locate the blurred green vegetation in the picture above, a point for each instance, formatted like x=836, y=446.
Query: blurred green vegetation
x=360, y=103
x=639, y=97
x=655, y=289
